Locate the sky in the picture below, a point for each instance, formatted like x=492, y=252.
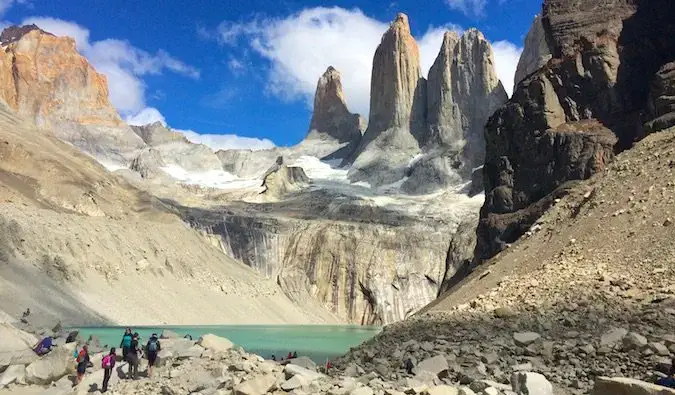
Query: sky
x=242, y=74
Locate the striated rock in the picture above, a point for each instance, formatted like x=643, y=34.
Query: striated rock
x=396, y=127
x=627, y=386
x=564, y=121
x=331, y=120
x=45, y=79
x=148, y=163
x=281, y=180
x=536, y=52
x=661, y=107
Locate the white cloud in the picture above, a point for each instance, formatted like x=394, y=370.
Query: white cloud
x=507, y=55
x=236, y=66
x=226, y=141
x=468, y=7
x=146, y=116
x=301, y=46
x=123, y=64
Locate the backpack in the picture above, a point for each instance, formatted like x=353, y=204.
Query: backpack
x=82, y=356
x=106, y=363
x=152, y=346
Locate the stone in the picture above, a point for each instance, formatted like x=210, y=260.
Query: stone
x=524, y=339
x=442, y=390
x=257, y=386
x=215, y=343
x=280, y=180
x=55, y=365
x=627, y=386
x=527, y=383
x=536, y=52
x=613, y=337
x=465, y=391
x=294, y=382
x=16, y=346
x=490, y=391
x=293, y=370
x=634, y=341
x=437, y=365
x=306, y=363
x=13, y=374
x=362, y=391
x=163, y=357
x=659, y=349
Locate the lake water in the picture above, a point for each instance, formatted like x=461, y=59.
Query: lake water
x=315, y=341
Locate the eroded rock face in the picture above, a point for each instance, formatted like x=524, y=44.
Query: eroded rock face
x=565, y=120
x=536, y=52
x=331, y=120
x=281, y=180
x=396, y=127
x=45, y=79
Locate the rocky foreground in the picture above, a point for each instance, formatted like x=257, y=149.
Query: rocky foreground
x=212, y=365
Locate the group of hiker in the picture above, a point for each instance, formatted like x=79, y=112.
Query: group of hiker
x=290, y=355
x=132, y=353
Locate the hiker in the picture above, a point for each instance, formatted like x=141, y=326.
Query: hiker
x=133, y=356
x=668, y=381
x=188, y=336
x=125, y=345
x=82, y=363
x=108, y=363
x=408, y=365
x=274, y=357
x=328, y=366
x=290, y=356
x=152, y=349
x=295, y=354
x=44, y=346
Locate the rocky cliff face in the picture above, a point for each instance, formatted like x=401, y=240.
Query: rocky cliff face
x=396, y=127
x=564, y=121
x=536, y=52
x=45, y=79
x=367, y=264
x=463, y=91
x=331, y=120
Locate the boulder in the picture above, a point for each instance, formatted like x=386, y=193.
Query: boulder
x=634, y=341
x=215, y=343
x=182, y=348
x=16, y=346
x=304, y=362
x=52, y=367
x=437, y=365
x=13, y=374
x=163, y=357
x=524, y=339
x=294, y=382
x=257, y=386
x=294, y=370
x=626, y=386
x=528, y=383
x=361, y=391
x=613, y=337
x=442, y=390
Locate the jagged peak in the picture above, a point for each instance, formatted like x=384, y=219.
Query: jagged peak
x=15, y=33
x=473, y=34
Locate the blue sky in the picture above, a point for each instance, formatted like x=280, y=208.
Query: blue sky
x=250, y=67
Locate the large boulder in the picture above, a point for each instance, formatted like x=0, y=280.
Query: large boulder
x=257, y=386
x=437, y=366
x=13, y=374
x=294, y=370
x=304, y=362
x=58, y=363
x=16, y=346
x=528, y=383
x=215, y=343
x=169, y=334
x=626, y=386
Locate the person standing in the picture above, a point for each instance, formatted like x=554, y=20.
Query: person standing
x=82, y=363
x=108, y=363
x=152, y=349
x=133, y=356
x=125, y=345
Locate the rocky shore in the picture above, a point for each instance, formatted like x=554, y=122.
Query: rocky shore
x=459, y=357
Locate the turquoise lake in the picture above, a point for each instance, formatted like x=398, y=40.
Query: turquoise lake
x=315, y=341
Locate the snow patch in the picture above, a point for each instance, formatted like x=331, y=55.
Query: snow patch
x=111, y=166
x=218, y=179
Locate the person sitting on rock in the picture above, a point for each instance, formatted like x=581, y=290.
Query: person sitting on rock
x=668, y=381
x=274, y=357
x=289, y=356
x=108, y=363
x=295, y=354
x=152, y=349
x=82, y=363
x=44, y=346
x=125, y=344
